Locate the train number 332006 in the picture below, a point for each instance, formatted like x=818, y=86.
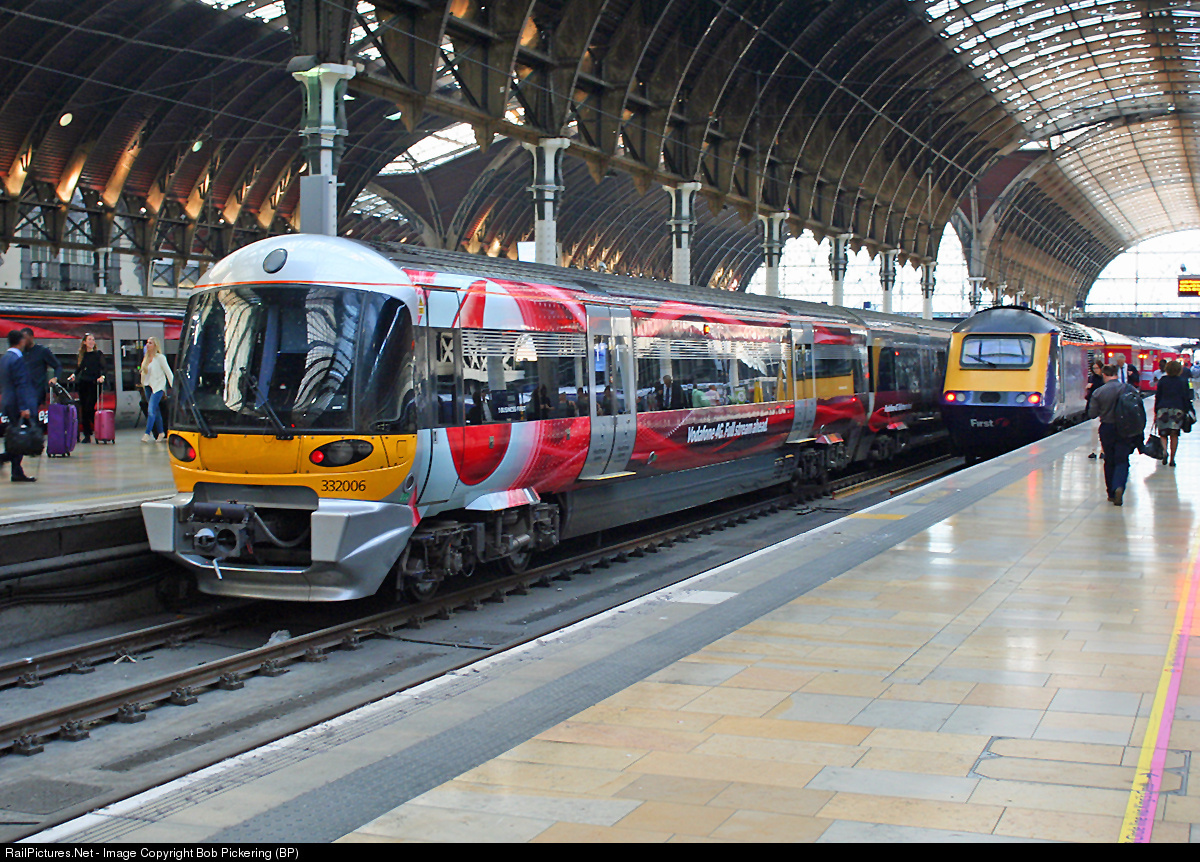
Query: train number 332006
x=343, y=486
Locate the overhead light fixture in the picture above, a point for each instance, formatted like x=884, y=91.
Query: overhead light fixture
x=65, y=119
x=394, y=116
x=196, y=147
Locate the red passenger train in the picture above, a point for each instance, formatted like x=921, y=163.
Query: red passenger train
x=354, y=416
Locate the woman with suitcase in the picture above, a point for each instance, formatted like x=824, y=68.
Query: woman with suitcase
x=89, y=375
x=156, y=376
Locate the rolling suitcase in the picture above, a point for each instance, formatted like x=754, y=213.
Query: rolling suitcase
x=61, y=426
x=105, y=424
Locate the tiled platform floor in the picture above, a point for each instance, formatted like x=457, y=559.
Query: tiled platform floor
x=989, y=678
x=95, y=477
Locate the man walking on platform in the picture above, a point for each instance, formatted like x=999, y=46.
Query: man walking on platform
x=1118, y=434
x=17, y=398
x=39, y=359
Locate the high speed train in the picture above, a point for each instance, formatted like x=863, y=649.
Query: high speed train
x=353, y=417
x=1016, y=375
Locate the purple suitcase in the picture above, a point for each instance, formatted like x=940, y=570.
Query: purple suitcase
x=62, y=430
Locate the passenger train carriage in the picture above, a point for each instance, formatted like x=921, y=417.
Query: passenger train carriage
x=350, y=416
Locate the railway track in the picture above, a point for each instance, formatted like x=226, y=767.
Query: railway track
x=29, y=735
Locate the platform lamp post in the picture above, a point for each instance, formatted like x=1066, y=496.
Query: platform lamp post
x=887, y=277
x=928, y=283
x=324, y=140
x=976, y=295
x=774, y=236
x=839, y=262
x=547, y=190
x=682, y=223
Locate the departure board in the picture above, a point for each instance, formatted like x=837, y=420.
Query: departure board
x=1189, y=286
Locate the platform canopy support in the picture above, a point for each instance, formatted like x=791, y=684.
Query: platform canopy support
x=838, y=262
x=887, y=278
x=547, y=191
x=324, y=141
x=683, y=223
x=928, y=282
x=774, y=237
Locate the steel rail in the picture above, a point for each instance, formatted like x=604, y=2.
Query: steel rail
x=30, y=671
x=128, y=705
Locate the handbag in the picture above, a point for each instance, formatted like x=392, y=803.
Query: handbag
x=1153, y=448
x=25, y=438
x=1189, y=419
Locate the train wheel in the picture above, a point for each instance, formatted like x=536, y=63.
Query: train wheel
x=419, y=590
x=516, y=562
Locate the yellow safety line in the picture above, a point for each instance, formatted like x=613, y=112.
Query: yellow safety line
x=1139, y=812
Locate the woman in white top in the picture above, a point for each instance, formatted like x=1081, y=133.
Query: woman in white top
x=156, y=376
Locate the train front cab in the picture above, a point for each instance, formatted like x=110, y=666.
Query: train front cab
x=1000, y=389
x=291, y=457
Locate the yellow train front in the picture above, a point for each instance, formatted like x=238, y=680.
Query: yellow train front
x=1013, y=376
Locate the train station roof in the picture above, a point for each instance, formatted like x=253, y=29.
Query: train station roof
x=1053, y=135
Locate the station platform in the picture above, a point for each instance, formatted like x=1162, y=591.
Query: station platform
x=1000, y=655
x=96, y=477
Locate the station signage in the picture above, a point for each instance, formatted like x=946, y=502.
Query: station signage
x=1189, y=286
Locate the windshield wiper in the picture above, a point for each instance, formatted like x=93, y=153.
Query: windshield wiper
x=189, y=400
x=282, y=432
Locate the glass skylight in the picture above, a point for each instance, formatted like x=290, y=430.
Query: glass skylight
x=440, y=147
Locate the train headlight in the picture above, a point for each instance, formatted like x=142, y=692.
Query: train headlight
x=955, y=397
x=1035, y=398
x=341, y=452
x=181, y=450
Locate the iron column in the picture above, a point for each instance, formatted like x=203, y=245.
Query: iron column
x=324, y=139
x=547, y=188
x=683, y=220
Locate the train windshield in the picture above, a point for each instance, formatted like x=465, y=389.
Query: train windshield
x=286, y=360
x=997, y=351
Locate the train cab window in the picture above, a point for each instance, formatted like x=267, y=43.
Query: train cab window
x=997, y=351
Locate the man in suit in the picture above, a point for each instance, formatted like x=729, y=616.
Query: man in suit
x=673, y=398
x=1126, y=373
x=17, y=396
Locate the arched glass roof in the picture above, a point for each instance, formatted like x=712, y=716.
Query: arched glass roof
x=1059, y=66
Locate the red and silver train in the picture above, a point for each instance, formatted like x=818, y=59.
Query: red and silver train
x=121, y=325
x=350, y=417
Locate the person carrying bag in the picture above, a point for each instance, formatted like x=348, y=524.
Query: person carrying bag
x=89, y=375
x=18, y=402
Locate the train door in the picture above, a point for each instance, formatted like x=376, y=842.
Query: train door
x=444, y=402
x=804, y=388
x=129, y=339
x=613, y=399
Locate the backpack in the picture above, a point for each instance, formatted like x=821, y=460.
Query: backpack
x=1129, y=414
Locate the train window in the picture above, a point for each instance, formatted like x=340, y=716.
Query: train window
x=520, y=376
x=908, y=369
x=885, y=379
x=714, y=364
x=997, y=351
x=387, y=401
x=444, y=373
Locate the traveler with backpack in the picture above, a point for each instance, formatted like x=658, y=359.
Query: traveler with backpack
x=1122, y=421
